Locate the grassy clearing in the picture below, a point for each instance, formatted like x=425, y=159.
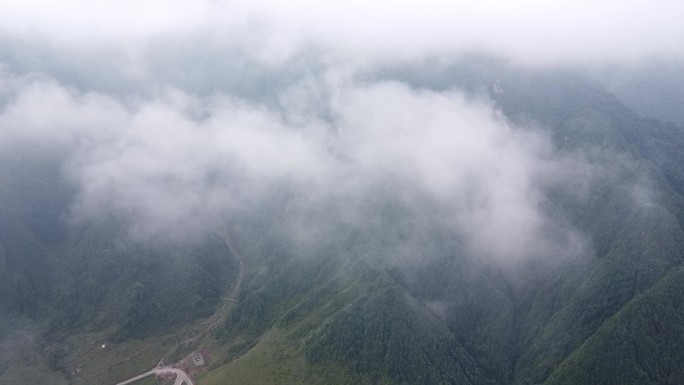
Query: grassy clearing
x=271, y=361
x=276, y=360
x=149, y=380
x=116, y=361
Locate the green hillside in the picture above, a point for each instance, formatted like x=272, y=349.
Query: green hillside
x=391, y=296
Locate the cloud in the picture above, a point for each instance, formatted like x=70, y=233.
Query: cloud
x=482, y=173
x=172, y=115
x=172, y=165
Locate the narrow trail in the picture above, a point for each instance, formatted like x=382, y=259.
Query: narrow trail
x=220, y=315
x=236, y=290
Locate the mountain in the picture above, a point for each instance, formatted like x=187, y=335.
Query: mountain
x=378, y=288
x=652, y=89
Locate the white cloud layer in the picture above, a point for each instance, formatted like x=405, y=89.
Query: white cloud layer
x=174, y=113
x=169, y=170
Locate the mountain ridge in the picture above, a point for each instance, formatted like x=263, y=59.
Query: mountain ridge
x=349, y=303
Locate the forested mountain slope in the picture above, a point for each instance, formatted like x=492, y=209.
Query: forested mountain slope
x=453, y=318
x=393, y=294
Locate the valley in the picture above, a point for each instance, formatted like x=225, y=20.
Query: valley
x=250, y=193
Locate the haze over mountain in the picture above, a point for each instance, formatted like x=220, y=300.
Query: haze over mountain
x=347, y=193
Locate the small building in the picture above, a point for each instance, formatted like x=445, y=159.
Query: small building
x=198, y=360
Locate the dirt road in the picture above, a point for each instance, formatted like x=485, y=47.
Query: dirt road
x=181, y=376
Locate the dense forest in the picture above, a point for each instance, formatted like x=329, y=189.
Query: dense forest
x=393, y=295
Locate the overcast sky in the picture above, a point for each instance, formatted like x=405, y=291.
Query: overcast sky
x=526, y=30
